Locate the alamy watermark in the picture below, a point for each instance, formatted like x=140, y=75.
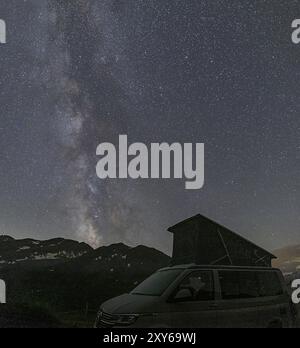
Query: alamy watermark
x=2, y=32
x=160, y=161
x=2, y=292
x=296, y=291
x=296, y=32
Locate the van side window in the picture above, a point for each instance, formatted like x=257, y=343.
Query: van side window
x=269, y=284
x=200, y=285
x=249, y=284
x=236, y=285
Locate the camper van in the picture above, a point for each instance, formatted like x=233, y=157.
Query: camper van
x=217, y=279
x=192, y=296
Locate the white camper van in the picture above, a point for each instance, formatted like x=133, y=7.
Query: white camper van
x=192, y=296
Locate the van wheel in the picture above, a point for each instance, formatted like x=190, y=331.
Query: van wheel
x=275, y=324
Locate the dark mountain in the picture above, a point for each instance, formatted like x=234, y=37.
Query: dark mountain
x=120, y=258
x=65, y=275
x=13, y=251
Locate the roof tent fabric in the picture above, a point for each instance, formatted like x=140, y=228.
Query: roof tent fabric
x=204, y=242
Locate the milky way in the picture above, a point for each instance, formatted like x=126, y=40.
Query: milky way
x=78, y=73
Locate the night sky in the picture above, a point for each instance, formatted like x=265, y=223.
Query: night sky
x=78, y=73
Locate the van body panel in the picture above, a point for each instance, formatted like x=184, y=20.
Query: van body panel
x=261, y=313
x=129, y=304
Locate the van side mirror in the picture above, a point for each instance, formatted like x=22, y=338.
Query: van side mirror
x=183, y=294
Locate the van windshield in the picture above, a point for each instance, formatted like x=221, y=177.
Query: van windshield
x=157, y=283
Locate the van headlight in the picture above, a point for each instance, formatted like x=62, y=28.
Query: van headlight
x=127, y=319
x=107, y=320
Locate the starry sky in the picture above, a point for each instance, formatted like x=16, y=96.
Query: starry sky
x=78, y=73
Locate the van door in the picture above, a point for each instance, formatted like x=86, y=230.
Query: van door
x=192, y=305
x=276, y=303
x=250, y=299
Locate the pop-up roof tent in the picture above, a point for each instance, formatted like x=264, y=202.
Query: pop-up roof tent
x=204, y=242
